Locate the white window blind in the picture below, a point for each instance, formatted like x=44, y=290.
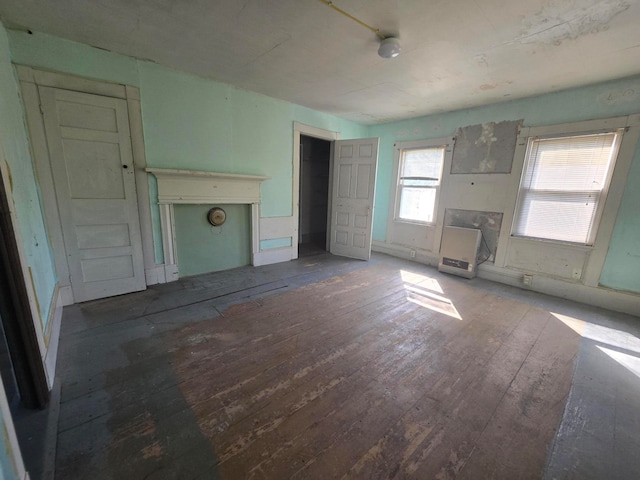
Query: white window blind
x=562, y=186
x=418, y=184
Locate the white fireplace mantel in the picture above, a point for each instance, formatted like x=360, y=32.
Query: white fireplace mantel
x=208, y=188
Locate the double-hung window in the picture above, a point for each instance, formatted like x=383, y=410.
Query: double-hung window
x=563, y=186
x=419, y=176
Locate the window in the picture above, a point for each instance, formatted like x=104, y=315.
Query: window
x=563, y=186
x=419, y=175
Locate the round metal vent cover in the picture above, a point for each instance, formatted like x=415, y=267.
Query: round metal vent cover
x=216, y=216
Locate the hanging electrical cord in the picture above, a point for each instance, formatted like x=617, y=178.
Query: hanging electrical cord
x=389, y=45
x=486, y=246
x=348, y=15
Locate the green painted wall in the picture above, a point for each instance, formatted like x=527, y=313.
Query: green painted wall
x=15, y=146
x=620, y=97
x=194, y=123
x=15, y=150
x=622, y=268
x=7, y=467
x=204, y=248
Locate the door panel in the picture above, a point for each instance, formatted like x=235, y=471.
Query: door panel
x=354, y=179
x=94, y=177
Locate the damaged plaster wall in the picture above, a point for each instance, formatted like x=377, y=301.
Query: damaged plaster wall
x=485, y=148
x=494, y=192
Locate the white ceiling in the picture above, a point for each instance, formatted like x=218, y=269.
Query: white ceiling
x=457, y=53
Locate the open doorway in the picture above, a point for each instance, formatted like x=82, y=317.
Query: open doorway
x=315, y=161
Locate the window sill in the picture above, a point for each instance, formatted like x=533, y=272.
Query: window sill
x=416, y=223
x=555, y=243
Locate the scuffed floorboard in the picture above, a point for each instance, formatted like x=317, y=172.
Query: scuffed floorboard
x=313, y=370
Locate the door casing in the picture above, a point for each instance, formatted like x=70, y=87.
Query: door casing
x=32, y=78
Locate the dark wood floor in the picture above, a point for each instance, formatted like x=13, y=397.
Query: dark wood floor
x=320, y=368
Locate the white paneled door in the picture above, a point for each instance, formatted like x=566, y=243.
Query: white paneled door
x=92, y=166
x=354, y=179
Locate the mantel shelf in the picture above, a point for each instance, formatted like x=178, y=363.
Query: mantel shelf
x=197, y=187
x=172, y=172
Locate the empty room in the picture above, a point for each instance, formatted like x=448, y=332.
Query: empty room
x=318, y=239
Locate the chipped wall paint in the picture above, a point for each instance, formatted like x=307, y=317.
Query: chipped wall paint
x=193, y=123
x=485, y=148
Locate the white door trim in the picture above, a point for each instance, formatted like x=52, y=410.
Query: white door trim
x=309, y=131
x=30, y=78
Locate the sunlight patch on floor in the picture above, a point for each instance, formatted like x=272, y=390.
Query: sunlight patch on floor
x=630, y=362
x=424, y=281
x=601, y=334
x=426, y=299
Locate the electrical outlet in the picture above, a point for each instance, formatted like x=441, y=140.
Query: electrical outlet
x=412, y=254
x=527, y=280
x=577, y=273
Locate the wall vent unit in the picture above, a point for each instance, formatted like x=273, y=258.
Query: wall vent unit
x=459, y=251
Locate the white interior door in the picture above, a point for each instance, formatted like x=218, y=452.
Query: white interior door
x=354, y=180
x=92, y=165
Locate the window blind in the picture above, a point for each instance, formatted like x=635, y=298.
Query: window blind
x=562, y=185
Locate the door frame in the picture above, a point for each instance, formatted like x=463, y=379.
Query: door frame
x=30, y=79
x=308, y=131
x=23, y=339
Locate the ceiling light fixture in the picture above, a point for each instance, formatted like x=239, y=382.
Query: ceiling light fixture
x=389, y=46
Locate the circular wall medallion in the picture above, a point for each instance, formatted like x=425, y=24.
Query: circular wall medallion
x=216, y=216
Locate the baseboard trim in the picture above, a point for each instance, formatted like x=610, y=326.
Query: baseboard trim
x=271, y=256
x=53, y=326
x=155, y=275
x=66, y=294
x=400, y=251
x=171, y=273
x=607, y=298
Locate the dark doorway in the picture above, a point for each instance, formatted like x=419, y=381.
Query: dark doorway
x=315, y=157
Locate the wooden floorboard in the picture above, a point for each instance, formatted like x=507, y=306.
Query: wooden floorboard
x=321, y=368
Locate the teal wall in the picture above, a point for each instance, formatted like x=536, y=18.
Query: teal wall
x=204, y=248
x=15, y=145
x=15, y=150
x=7, y=467
x=194, y=123
x=620, y=97
x=622, y=268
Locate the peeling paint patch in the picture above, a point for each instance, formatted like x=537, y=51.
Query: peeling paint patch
x=559, y=20
x=485, y=148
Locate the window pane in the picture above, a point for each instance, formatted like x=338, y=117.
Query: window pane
x=423, y=162
x=417, y=204
x=562, y=184
x=574, y=163
x=557, y=217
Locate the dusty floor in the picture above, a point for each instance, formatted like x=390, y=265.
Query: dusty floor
x=332, y=368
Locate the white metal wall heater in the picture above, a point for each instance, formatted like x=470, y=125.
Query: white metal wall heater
x=459, y=251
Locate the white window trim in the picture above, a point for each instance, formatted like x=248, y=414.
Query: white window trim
x=603, y=193
x=394, y=204
x=598, y=251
